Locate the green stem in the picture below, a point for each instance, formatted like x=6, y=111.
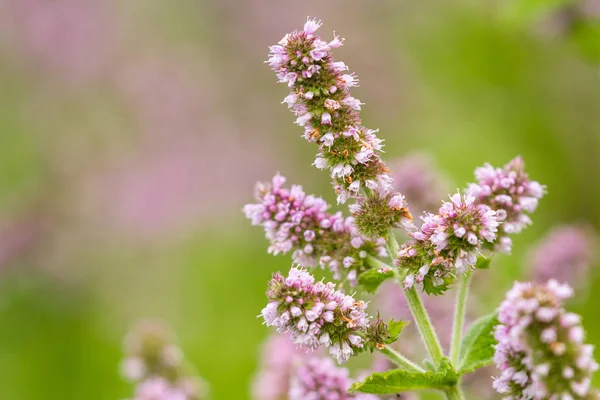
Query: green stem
x=454, y=393
x=418, y=310
x=459, y=317
x=399, y=359
x=424, y=324
x=374, y=262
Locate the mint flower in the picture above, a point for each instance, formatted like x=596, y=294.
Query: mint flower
x=316, y=314
x=511, y=193
x=279, y=359
x=448, y=243
x=320, y=378
x=541, y=350
x=320, y=97
x=565, y=254
x=158, y=388
x=157, y=366
x=295, y=221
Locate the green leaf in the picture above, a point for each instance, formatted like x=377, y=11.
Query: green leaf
x=432, y=289
x=483, y=262
x=401, y=380
x=371, y=279
x=394, y=329
x=477, y=347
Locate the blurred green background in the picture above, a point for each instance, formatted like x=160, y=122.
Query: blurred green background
x=131, y=135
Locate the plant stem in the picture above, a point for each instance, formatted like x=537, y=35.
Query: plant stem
x=418, y=310
x=424, y=324
x=459, y=317
x=454, y=393
x=400, y=360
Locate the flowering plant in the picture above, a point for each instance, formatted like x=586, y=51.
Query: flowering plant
x=537, y=345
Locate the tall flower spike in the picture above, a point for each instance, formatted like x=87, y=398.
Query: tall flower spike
x=540, y=348
x=320, y=378
x=447, y=243
x=511, y=193
x=565, y=254
x=316, y=314
x=295, y=221
x=321, y=99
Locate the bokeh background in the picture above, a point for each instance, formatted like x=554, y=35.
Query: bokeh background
x=132, y=133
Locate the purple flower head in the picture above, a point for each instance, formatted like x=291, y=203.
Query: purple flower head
x=509, y=192
x=320, y=97
x=157, y=388
x=320, y=378
x=565, y=254
x=447, y=243
x=150, y=350
x=279, y=360
x=157, y=366
x=316, y=314
x=541, y=351
x=295, y=221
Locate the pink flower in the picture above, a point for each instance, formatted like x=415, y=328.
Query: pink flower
x=510, y=193
x=566, y=254
x=304, y=61
x=295, y=221
x=315, y=314
x=537, y=352
x=449, y=242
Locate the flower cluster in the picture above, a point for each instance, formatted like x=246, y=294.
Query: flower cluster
x=157, y=367
x=375, y=214
x=296, y=221
x=511, y=193
x=320, y=378
x=321, y=99
x=540, y=347
x=316, y=314
x=279, y=359
x=447, y=243
x=565, y=254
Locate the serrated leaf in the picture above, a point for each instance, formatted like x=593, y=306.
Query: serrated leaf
x=477, y=347
x=434, y=290
x=401, y=380
x=371, y=279
x=394, y=329
x=483, y=263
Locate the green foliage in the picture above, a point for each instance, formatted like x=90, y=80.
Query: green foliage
x=400, y=380
x=394, y=327
x=379, y=333
x=371, y=279
x=432, y=289
x=477, y=347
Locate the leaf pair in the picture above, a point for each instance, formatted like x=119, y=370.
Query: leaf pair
x=476, y=351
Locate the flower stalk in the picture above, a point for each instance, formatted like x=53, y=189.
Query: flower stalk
x=418, y=311
x=459, y=317
x=399, y=359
